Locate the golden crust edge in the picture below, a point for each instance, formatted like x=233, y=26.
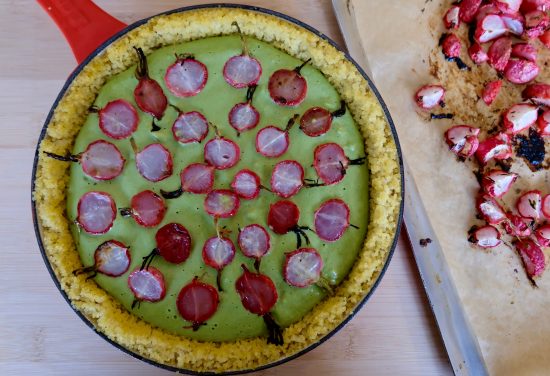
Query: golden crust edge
x=106, y=314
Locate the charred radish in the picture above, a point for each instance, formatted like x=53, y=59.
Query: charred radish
x=317, y=121
x=148, y=94
x=288, y=87
x=197, y=302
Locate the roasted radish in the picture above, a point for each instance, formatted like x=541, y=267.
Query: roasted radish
x=118, y=119
x=197, y=302
x=524, y=51
x=147, y=285
x=490, y=27
x=452, y=17
x=477, y=54
x=331, y=163
x=96, y=212
x=529, y=205
x=288, y=87
x=111, y=258
x=495, y=147
x=490, y=209
x=486, y=237
x=462, y=140
x=273, y=142
x=244, y=116
x=537, y=93
x=519, y=71
x=331, y=220
x=430, y=96
x=317, y=121
x=520, y=117
x=451, y=46
x=173, y=244
x=543, y=123
x=186, y=77
x=254, y=242
x=499, y=53
x=491, y=91
x=532, y=257
x=283, y=218
x=218, y=252
x=148, y=94
x=246, y=184
x=542, y=234
x=496, y=183
x=516, y=226
x=147, y=209
x=545, y=206
x=242, y=70
x=536, y=23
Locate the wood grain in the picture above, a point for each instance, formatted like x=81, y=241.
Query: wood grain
x=393, y=334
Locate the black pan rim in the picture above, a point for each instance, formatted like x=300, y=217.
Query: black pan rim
x=108, y=42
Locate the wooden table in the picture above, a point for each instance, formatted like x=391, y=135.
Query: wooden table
x=394, y=334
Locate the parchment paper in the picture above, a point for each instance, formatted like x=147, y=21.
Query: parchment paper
x=510, y=318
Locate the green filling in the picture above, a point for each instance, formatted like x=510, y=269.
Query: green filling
x=231, y=321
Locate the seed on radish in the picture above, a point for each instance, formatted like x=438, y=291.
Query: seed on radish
x=96, y=212
x=148, y=94
x=118, y=119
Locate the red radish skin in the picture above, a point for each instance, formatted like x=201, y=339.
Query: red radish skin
x=529, y=205
x=288, y=87
x=257, y=292
x=331, y=220
x=243, y=117
x=197, y=302
x=254, y=241
x=190, y=127
x=222, y=153
x=496, y=183
x=302, y=267
x=507, y=6
x=477, y=54
x=486, y=237
x=515, y=23
x=495, y=147
x=491, y=91
x=452, y=17
x=272, y=142
x=520, y=117
x=524, y=51
x=148, y=93
x=96, y=212
x=154, y=162
x=102, y=160
x=197, y=178
x=536, y=23
x=118, y=119
x=490, y=27
x=468, y=10
x=499, y=53
x=531, y=5
x=242, y=71
x=538, y=93
x=173, y=243
x=545, y=206
x=543, y=123
x=542, y=235
x=545, y=38
x=516, y=226
x=532, y=257
x=330, y=163
x=112, y=258
x=221, y=203
x=520, y=71
x=491, y=210
x=451, y=46
x=485, y=10
x=147, y=284
x=316, y=121
x=462, y=140
x=246, y=184
x=148, y=208
x=429, y=96
x=187, y=77
x=287, y=178
x=283, y=216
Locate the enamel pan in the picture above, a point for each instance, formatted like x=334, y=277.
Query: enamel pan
x=86, y=27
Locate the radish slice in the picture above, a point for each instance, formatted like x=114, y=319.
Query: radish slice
x=516, y=226
x=331, y=220
x=520, y=71
x=508, y=6
x=497, y=147
x=316, y=121
x=221, y=153
x=272, y=142
x=330, y=162
x=147, y=284
x=499, y=53
x=515, y=23
x=546, y=206
x=96, y=212
x=154, y=162
x=543, y=123
x=287, y=178
x=197, y=302
x=257, y=292
x=529, y=205
x=287, y=87
x=148, y=94
x=490, y=27
x=148, y=208
x=302, y=267
x=186, y=77
x=496, y=183
x=243, y=117
x=468, y=9
x=532, y=257
x=525, y=51
x=218, y=252
x=283, y=216
x=102, y=160
x=487, y=237
x=118, y=119
x=520, y=117
x=462, y=140
x=543, y=235
x=190, y=127
x=254, y=241
x=490, y=209
x=173, y=243
x=429, y=96
x=242, y=71
x=451, y=18
x=246, y=184
x=538, y=93
x=197, y=178
x=221, y=203
x=112, y=258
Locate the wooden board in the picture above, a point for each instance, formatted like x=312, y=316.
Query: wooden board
x=393, y=334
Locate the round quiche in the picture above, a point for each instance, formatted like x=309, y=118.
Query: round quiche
x=217, y=190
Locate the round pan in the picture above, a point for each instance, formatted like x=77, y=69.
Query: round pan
x=108, y=24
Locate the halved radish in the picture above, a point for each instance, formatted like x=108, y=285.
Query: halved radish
x=452, y=17
x=515, y=22
x=258, y=295
x=96, y=212
x=147, y=285
x=197, y=302
x=154, y=162
x=243, y=117
x=222, y=153
x=197, y=178
x=490, y=27
x=272, y=142
x=221, y=203
x=147, y=208
x=532, y=257
x=173, y=243
x=287, y=178
x=111, y=258
x=538, y=93
x=186, y=77
x=288, y=87
x=451, y=46
x=148, y=94
x=468, y=9
x=254, y=242
x=246, y=184
x=490, y=91
x=477, y=54
x=543, y=123
x=218, y=252
x=516, y=226
x=496, y=183
x=508, y=6
x=490, y=209
x=520, y=117
x=429, y=96
x=331, y=163
x=118, y=119
x=499, y=53
x=486, y=237
x=519, y=71
x=495, y=147
x=316, y=121
x=331, y=220
x=190, y=127
x=529, y=205
x=542, y=234
x=242, y=70
x=462, y=140
x=283, y=216
x=531, y=5
x=536, y=23
x=525, y=51
x=302, y=267
x=545, y=206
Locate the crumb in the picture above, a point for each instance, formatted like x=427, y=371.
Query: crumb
x=425, y=242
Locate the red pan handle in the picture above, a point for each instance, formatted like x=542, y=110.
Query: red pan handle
x=83, y=23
